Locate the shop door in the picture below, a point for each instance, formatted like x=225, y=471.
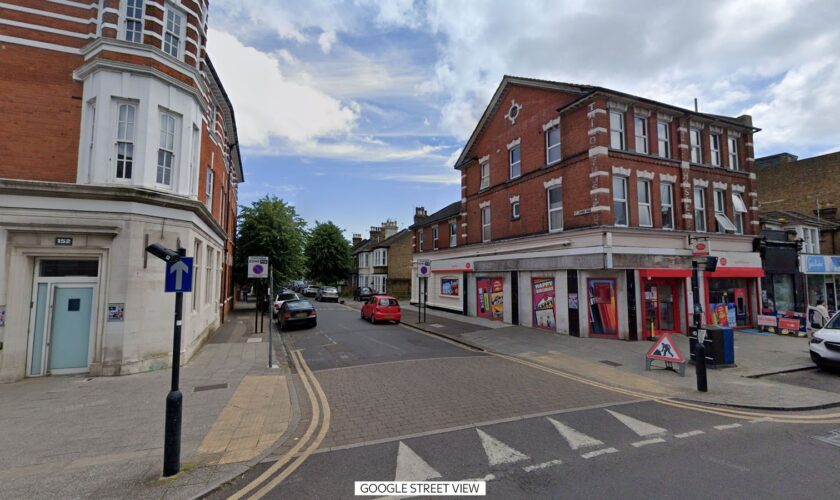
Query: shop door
x=662, y=311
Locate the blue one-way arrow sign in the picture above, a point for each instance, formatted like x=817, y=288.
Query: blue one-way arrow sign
x=179, y=275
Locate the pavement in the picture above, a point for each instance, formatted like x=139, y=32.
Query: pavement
x=752, y=383
x=102, y=437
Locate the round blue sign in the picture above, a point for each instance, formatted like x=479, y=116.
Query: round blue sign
x=258, y=269
x=424, y=270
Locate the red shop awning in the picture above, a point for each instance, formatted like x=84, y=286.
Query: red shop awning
x=664, y=273
x=736, y=272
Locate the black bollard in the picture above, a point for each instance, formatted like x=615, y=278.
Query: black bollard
x=700, y=366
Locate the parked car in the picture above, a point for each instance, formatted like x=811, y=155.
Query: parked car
x=311, y=291
x=327, y=294
x=297, y=312
x=382, y=308
x=363, y=293
x=283, y=297
x=825, y=344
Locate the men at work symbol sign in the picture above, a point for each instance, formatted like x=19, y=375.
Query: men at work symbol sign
x=664, y=349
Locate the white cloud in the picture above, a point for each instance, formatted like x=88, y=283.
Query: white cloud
x=267, y=104
x=326, y=41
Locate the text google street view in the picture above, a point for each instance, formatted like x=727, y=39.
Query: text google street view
x=326, y=249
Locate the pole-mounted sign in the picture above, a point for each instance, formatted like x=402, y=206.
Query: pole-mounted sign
x=258, y=267
x=179, y=275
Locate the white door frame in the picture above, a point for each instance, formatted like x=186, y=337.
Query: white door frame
x=53, y=283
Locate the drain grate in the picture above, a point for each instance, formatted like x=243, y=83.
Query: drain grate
x=610, y=363
x=211, y=387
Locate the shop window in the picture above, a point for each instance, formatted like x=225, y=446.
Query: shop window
x=603, y=311
x=543, y=303
x=729, y=301
x=490, y=302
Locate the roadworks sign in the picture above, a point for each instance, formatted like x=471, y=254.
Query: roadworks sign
x=665, y=350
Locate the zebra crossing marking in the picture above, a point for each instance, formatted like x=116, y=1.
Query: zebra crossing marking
x=544, y=465
x=576, y=439
x=643, y=429
x=727, y=426
x=688, y=434
x=639, y=444
x=498, y=452
x=598, y=453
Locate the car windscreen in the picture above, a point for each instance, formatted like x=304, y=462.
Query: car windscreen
x=287, y=296
x=388, y=302
x=329, y=289
x=834, y=323
x=298, y=305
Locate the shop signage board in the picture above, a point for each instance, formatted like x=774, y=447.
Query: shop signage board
x=700, y=247
x=766, y=320
x=258, y=267
x=664, y=349
x=819, y=264
x=788, y=324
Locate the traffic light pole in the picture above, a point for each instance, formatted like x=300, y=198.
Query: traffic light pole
x=174, y=400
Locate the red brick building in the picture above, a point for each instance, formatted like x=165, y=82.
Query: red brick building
x=577, y=207
x=117, y=133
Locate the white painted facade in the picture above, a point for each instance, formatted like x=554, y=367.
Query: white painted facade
x=115, y=234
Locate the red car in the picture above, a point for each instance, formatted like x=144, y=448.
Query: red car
x=381, y=308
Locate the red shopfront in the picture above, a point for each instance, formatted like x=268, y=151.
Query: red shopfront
x=663, y=293
x=731, y=294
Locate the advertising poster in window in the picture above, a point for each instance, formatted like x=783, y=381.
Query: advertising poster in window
x=490, y=303
x=543, y=301
x=724, y=314
x=449, y=287
x=603, y=313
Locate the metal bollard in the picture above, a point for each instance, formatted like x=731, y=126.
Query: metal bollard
x=700, y=367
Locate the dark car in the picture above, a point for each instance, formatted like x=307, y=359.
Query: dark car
x=362, y=293
x=297, y=312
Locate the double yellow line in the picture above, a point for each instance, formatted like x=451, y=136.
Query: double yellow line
x=279, y=471
x=825, y=418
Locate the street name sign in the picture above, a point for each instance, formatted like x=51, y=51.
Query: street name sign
x=258, y=267
x=179, y=275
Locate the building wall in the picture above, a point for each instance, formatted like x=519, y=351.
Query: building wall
x=399, y=264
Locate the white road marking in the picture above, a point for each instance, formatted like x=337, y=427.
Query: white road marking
x=575, y=439
x=727, y=426
x=410, y=467
x=531, y=468
x=598, y=453
x=639, y=444
x=688, y=434
x=253, y=340
x=488, y=477
x=435, y=325
x=498, y=452
x=643, y=429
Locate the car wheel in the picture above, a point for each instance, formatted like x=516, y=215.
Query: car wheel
x=372, y=319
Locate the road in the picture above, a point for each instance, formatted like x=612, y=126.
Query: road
x=404, y=405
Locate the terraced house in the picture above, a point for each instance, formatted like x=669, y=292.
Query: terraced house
x=117, y=133
x=579, y=212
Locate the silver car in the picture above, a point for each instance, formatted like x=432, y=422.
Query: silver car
x=327, y=294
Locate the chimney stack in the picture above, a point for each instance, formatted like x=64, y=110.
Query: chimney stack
x=357, y=239
x=375, y=233
x=420, y=215
x=389, y=228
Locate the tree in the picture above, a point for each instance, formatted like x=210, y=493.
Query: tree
x=328, y=254
x=271, y=227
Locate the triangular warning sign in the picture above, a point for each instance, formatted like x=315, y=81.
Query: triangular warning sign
x=664, y=349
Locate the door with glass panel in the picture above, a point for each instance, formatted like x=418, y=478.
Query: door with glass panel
x=662, y=309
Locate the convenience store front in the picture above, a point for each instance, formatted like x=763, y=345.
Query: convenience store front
x=732, y=291
x=822, y=279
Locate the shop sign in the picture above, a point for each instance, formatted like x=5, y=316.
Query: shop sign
x=739, y=259
x=789, y=324
x=543, y=302
x=767, y=320
x=820, y=264
x=700, y=248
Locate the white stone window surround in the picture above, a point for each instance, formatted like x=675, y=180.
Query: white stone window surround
x=644, y=174
x=514, y=143
x=557, y=181
x=102, y=91
x=738, y=188
x=622, y=171
x=667, y=178
x=701, y=183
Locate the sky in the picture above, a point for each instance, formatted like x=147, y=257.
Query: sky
x=355, y=111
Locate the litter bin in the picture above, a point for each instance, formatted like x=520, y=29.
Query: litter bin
x=719, y=344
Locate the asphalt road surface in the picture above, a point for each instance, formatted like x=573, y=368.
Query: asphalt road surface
x=408, y=406
x=815, y=378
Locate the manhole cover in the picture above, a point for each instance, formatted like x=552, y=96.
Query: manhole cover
x=211, y=387
x=611, y=363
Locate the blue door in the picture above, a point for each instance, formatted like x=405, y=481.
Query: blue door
x=70, y=332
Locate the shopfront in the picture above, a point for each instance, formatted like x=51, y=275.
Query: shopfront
x=490, y=298
x=663, y=294
x=732, y=291
x=822, y=279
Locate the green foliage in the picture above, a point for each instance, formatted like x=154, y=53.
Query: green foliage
x=328, y=254
x=271, y=227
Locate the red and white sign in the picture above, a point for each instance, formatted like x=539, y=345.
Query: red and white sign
x=766, y=320
x=788, y=324
x=665, y=350
x=700, y=248
x=722, y=261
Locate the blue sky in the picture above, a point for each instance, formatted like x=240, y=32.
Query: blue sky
x=355, y=111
